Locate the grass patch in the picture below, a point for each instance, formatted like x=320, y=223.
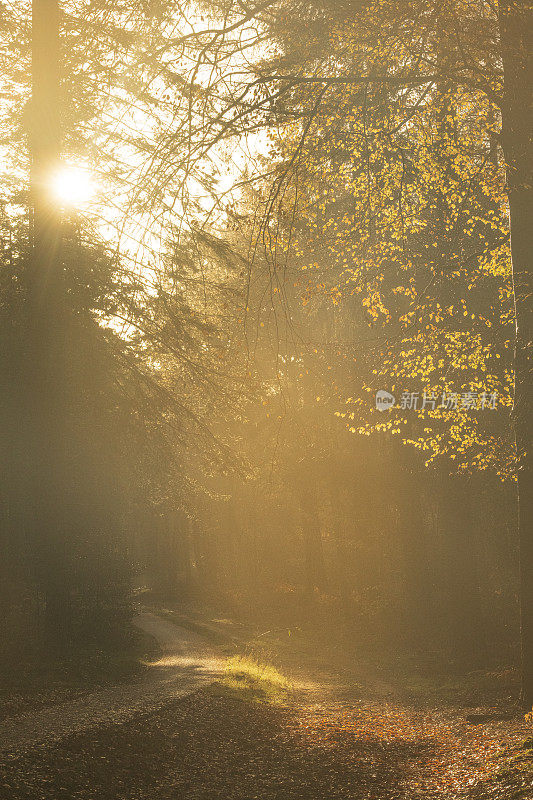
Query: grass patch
x=249, y=679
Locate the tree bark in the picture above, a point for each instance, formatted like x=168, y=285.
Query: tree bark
x=516, y=32
x=410, y=483
x=44, y=367
x=44, y=145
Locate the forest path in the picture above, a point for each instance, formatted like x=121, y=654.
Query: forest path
x=339, y=735
x=187, y=661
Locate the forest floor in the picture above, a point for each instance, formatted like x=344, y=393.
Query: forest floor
x=33, y=677
x=280, y=719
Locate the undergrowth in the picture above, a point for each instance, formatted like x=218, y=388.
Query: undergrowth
x=250, y=679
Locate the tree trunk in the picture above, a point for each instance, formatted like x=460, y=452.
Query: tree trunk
x=413, y=533
x=314, y=567
x=44, y=146
x=44, y=373
x=464, y=620
x=516, y=30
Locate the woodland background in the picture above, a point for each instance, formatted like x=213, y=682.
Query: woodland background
x=295, y=205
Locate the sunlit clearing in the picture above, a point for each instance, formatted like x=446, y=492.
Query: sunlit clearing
x=73, y=186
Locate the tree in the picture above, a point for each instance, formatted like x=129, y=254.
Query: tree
x=71, y=370
x=516, y=32
x=392, y=51
x=43, y=364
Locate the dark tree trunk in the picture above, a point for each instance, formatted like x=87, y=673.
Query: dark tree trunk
x=343, y=544
x=187, y=554
x=516, y=28
x=44, y=367
x=413, y=532
x=464, y=624
x=44, y=146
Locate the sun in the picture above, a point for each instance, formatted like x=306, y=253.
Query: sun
x=72, y=186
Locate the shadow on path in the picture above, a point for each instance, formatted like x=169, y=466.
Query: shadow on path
x=209, y=746
x=187, y=662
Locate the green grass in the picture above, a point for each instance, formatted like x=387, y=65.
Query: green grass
x=250, y=679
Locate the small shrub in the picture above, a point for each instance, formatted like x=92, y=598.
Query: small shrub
x=255, y=680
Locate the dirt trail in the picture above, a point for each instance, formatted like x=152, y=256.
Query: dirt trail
x=341, y=735
x=187, y=662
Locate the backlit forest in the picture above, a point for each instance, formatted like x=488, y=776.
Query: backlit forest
x=265, y=326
